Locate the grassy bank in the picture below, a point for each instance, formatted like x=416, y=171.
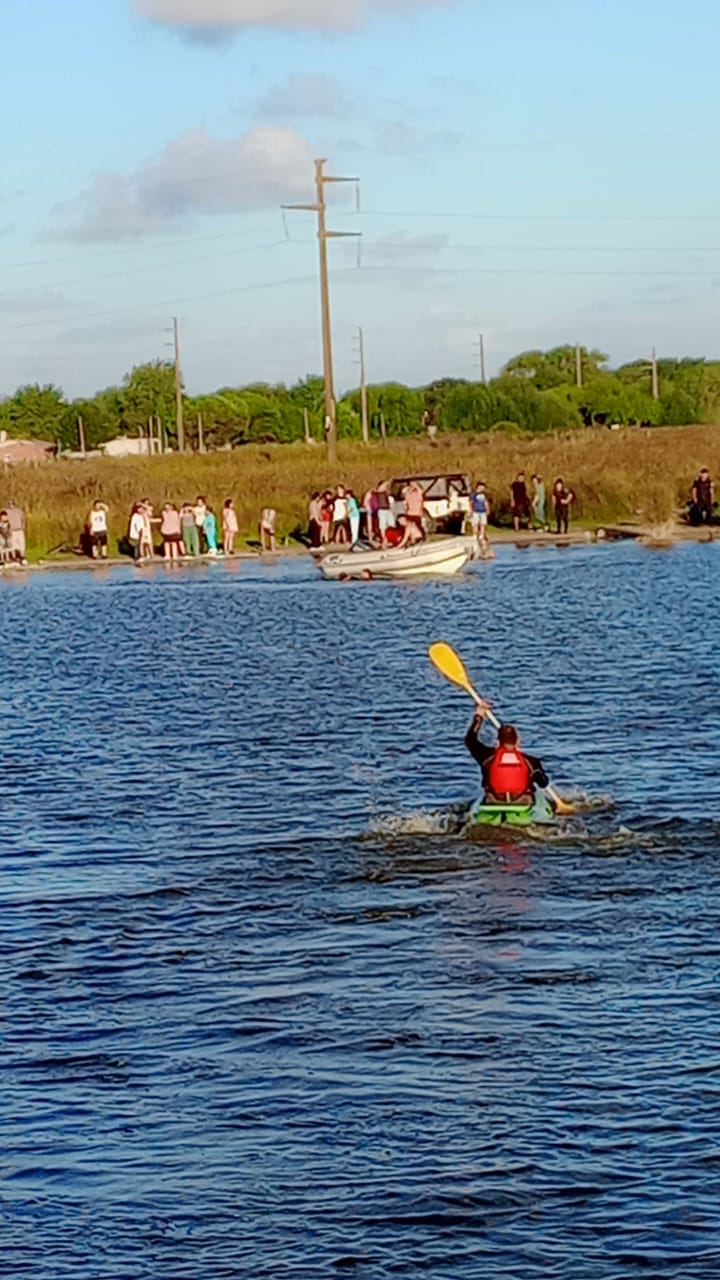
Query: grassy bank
x=627, y=475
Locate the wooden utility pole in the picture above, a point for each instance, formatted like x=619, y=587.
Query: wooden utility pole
x=655, y=379
x=306, y=421
x=363, y=390
x=201, y=440
x=481, y=348
x=179, y=407
x=578, y=366
x=81, y=434
x=320, y=208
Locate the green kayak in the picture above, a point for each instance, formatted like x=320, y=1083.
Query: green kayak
x=511, y=815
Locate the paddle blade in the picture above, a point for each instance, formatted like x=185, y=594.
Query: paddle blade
x=450, y=664
x=564, y=808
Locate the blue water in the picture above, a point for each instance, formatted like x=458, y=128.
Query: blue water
x=265, y=1012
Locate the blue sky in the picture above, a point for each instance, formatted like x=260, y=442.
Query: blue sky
x=539, y=170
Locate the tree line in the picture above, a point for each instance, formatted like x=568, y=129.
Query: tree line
x=535, y=392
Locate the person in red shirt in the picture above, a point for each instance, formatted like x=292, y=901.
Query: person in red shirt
x=509, y=775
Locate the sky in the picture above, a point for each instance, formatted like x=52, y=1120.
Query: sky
x=538, y=171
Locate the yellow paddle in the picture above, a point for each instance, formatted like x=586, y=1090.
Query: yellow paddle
x=450, y=664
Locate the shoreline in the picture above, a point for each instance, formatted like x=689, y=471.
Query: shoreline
x=647, y=534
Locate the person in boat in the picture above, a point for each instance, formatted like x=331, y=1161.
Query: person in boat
x=510, y=777
x=411, y=535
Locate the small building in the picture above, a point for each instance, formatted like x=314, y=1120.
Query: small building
x=130, y=447
x=13, y=451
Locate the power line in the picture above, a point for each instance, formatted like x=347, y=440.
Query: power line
x=537, y=217
x=134, y=246
x=136, y=271
x=170, y=302
x=387, y=268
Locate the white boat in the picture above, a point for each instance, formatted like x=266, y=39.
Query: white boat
x=444, y=557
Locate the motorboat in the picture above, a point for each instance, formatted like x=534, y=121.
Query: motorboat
x=443, y=557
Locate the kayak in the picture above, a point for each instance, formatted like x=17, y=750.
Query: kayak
x=511, y=815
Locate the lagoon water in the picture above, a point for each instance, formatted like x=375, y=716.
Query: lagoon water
x=265, y=1013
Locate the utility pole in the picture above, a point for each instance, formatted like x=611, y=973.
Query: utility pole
x=655, y=379
x=178, y=389
x=481, y=348
x=363, y=388
x=201, y=441
x=578, y=366
x=81, y=434
x=320, y=208
x=306, y=422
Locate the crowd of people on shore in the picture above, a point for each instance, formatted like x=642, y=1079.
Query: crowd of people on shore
x=187, y=532
x=385, y=520
x=380, y=520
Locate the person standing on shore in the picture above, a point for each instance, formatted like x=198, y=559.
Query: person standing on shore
x=98, y=529
x=135, y=530
x=562, y=500
x=385, y=517
x=171, y=530
x=267, y=529
x=230, y=527
x=703, y=499
x=147, y=549
x=189, y=531
x=369, y=512
x=520, y=502
x=340, y=530
x=210, y=531
x=326, y=515
x=539, y=505
x=200, y=511
x=479, y=515
x=16, y=518
x=315, y=511
x=5, y=539
x=353, y=511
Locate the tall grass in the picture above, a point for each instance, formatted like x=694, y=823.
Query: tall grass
x=641, y=475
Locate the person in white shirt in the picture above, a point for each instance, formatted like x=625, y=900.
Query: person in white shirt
x=200, y=511
x=340, y=516
x=98, y=529
x=267, y=529
x=135, y=530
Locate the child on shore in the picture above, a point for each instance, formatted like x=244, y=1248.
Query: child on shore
x=230, y=527
x=210, y=531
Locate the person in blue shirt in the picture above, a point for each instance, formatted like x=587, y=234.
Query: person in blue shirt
x=210, y=530
x=479, y=515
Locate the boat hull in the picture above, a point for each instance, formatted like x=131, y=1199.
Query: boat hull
x=441, y=559
x=509, y=815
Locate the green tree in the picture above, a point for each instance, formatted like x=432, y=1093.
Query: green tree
x=36, y=413
x=148, y=391
x=555, y=368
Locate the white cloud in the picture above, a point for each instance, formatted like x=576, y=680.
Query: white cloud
x=195, y=174
x=206, y=16
x=306, y=95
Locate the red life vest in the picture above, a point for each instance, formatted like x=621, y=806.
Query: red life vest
x=509, y=775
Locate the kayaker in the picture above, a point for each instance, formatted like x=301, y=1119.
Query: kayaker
x=509, y=775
